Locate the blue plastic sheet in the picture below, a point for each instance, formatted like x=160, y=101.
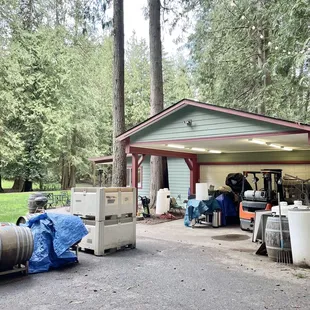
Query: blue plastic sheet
x=53, y=235
x=197, y=207
x=227, y=206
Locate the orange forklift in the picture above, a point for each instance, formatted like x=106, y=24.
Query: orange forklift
x=259, y=198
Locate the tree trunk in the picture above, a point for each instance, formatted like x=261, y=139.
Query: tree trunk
x=119, y=155
x=157, y=94
x=18, y=184
x=1, y=189
x=65, y=174
x=27, y=186
x=262, y=59
x=72, y=179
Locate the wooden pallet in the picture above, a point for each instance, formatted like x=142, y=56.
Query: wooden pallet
x=109, y=250
x=22, y=268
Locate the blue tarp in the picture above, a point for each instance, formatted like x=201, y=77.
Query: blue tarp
x=53, y=235
x=197, y=207
x=227, y=206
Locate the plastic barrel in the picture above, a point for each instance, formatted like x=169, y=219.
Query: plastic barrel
x=16, y=245
x=299, y=219
x=273, y=237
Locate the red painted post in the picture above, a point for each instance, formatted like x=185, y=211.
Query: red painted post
x=134, y=174
x=194, y=175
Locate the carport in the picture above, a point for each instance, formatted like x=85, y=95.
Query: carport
x=213, y=139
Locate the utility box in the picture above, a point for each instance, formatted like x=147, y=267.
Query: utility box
x=109, y=214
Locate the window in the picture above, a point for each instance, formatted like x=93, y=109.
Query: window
x=128, y=180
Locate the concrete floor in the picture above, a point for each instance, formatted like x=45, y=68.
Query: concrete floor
x=173, y=267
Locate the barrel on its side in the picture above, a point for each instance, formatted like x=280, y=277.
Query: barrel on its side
x=273, y=236
x=24, y=219
x=6, y=224
x=16, y=246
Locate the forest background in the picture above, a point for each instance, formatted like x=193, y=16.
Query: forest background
x=56, y=61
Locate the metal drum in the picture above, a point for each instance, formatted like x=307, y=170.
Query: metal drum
x=6, y=224
x=24, y=219
x=16, y=245
x=272, y=236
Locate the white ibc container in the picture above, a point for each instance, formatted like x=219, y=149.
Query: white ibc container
x=111, y=201
x=97, y=202
x=128, y=202
x=284, y=209
x=299, y=223
x=109, y=234
x=162, y=205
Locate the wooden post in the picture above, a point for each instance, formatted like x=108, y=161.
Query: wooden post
x=134, y=174
x=194, y=175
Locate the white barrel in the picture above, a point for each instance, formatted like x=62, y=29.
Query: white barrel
x=284, y=209
x=167, y=197
x=202, y=192
x=299, y=222
x=161, y=202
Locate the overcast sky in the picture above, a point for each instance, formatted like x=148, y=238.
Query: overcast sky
x=134, y=20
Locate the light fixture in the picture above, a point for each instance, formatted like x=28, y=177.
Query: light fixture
x=280, y=147
x=215, y=151
x=257, y=141
x=198, y=149
x=176, y=146
x=275, y=146
x=286, y=148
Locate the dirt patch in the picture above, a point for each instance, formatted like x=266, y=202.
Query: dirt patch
x=231, y=237
x=153, y=220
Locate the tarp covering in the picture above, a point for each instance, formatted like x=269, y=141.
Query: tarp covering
x=197, y=207
x=227, y=206
x=53, y=235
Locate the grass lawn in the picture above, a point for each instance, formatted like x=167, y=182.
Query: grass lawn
x=14, y=205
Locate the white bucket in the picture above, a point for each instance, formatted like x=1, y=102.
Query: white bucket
x=202, y=192
x=299, y=222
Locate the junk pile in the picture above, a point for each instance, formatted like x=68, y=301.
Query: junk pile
x=39, y=242
x=284, y=232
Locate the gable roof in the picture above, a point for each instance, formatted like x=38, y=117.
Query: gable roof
x=189, y=102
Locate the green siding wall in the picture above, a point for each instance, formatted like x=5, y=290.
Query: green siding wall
x=205, y=123
x=255, y=157
x=146, y=176
x=179, y=178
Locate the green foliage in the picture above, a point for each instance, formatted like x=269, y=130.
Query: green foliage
x=56, y=88
x=247, y=54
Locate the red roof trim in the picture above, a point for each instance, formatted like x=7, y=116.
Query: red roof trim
x=254, y=116
x=186, y=102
